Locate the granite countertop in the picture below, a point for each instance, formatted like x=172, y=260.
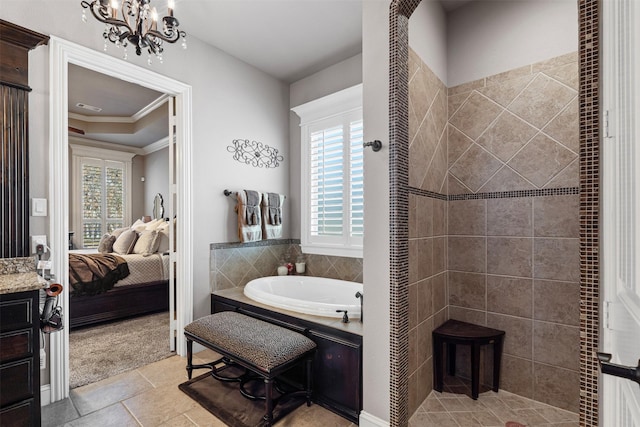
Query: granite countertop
x=19, y=275
x=237, y=294
x=21, y=282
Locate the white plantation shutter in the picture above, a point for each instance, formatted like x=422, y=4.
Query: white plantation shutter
x=332, y=174
x=101, y=193
x=327, y=178
x=356, y=188
x=102, y=199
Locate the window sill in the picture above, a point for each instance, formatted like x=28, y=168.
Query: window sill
x=332, y=251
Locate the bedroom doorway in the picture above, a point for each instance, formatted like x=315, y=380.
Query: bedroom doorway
x=63, y=55
x=122, y=168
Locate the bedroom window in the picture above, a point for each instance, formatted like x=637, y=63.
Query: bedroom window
x=332, y=161
x=101, y=187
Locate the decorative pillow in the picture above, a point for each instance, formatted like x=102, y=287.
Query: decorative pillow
x=106, y=243
x=139, y=225
x=118, y=231
x=147, y=242
x=163, y=240
x=125, y=242
x=153, y=225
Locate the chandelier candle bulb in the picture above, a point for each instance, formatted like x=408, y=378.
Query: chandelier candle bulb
x=171, y=5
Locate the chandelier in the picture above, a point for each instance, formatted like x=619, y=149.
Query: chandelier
x=135, y=23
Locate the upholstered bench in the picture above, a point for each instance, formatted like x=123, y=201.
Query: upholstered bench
x=264, y=349
x=453, y=332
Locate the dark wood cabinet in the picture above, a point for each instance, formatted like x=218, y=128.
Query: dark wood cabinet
x=15, y=43
x=19, y=359
x=337, y=369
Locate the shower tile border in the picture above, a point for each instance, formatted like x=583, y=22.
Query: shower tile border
x=589, y=13
x=498, y=194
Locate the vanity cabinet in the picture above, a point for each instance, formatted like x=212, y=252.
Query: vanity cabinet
x=19, y=359
x=337, y=368
x=15, y=43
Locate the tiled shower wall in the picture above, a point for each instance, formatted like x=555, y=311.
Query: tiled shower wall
x=427, y=222
x=236, y=264
x=512, y=251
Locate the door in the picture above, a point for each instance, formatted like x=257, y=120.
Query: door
x=621, y=209
x=173, y=323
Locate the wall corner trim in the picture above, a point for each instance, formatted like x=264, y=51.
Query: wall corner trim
x=368, y=420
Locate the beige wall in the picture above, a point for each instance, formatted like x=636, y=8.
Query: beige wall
x=511, y=224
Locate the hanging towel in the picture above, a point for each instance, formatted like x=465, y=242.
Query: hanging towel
x=253, y=207
x=248, y=231
x=272, y=215
x=275, y=211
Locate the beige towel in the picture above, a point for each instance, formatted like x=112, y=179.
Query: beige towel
x=247, y=232
x=271, y=228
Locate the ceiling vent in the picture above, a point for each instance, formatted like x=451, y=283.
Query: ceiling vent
x=89, y=107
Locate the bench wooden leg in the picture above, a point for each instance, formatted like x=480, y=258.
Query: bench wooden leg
x=189, y=358
x=497, y=357
x=268, y=394
x=309, y=380
x=475, y=370
x=438, y=373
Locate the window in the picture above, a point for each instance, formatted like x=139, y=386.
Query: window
x=332, y=166
x=101, y=187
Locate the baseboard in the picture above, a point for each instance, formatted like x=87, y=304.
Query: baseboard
x=368, y=420
x=45, y=395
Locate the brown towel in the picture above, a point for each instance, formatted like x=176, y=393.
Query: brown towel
x=93, y=274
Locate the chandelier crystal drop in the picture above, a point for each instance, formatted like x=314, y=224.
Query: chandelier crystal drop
x=135, y=23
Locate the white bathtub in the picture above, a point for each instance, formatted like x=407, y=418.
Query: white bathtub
x=305, y=294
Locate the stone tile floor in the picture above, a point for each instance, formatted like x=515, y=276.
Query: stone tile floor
x=454, y=407
x=149, y=396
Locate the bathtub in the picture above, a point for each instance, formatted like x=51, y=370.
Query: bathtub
x=305, y=294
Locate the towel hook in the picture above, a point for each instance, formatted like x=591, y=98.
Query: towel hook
x=375, y=145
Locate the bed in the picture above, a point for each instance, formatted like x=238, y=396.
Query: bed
x=144, y=290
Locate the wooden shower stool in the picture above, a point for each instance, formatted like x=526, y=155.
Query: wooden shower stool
x=453, y=332
x=264, y=349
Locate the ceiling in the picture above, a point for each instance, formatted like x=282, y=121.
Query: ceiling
x=287, y=39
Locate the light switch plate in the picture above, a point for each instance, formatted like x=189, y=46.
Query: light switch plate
x=38, y=207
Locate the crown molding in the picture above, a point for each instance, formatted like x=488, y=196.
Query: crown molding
x=87, y=142
x=156, y=146
x=144, y=111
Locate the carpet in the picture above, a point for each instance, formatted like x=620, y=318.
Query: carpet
x=110, y=349
x=225, y=401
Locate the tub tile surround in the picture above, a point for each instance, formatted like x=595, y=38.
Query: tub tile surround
x=511, y=228
x=233, y=265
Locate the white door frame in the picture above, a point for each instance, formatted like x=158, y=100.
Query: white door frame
x=61, y=54
x=620, y=316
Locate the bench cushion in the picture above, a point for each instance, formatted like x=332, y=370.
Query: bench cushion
x=262, y=344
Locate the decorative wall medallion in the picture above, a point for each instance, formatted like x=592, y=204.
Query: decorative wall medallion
x=255, y=153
